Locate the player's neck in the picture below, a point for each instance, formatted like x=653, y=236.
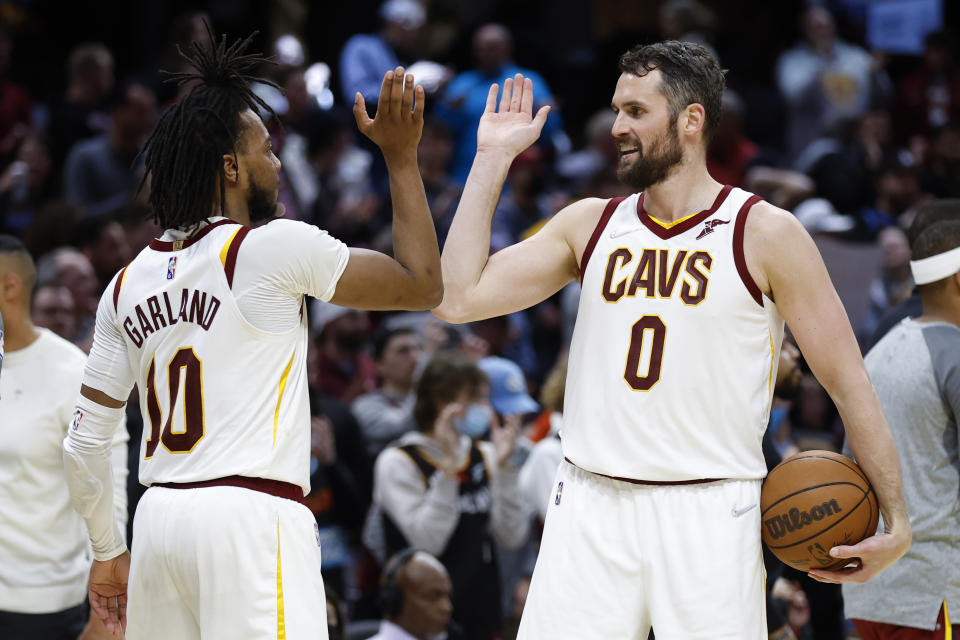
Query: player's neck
x=235, y=207
x=19, y=332
x=941, y=308
x=689, y=189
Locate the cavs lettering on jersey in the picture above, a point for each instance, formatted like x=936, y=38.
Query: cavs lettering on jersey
x=674, y=352
x=219, y=396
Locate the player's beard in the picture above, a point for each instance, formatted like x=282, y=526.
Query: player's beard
x=261, y=203
x=654, y=165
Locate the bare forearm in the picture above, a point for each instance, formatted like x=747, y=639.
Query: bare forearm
x=414, y=236
x=468, y=242
x=873, y=446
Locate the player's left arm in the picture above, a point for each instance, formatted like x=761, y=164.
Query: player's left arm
x=87, y=460
x=786, y=265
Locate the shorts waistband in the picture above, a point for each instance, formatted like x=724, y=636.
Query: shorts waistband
x=276, y=488
x=654, y=483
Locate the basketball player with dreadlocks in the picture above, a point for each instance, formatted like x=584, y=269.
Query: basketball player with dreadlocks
x=208, y=322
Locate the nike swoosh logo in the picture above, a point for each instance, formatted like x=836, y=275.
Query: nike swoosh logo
x=736, y=513
x=617, y=234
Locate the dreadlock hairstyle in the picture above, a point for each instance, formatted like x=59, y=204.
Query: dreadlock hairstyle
x=185, y=151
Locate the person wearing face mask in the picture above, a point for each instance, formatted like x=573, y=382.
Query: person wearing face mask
x=442, y=490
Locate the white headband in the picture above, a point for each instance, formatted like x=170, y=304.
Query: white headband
x=936, y=267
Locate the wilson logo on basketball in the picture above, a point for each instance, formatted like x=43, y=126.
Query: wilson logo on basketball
x=779, y=525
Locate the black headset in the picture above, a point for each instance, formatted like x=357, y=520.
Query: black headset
x=391, y=595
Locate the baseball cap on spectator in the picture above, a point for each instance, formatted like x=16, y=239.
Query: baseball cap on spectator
x=817, y=214
x=508, y=387
x=407, y=13
x=323, y=313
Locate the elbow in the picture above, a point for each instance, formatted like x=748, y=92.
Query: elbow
x=452, y=311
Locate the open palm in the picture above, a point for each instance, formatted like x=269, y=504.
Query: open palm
x=512, y=127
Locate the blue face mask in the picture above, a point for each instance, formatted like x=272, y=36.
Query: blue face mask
x=475, y=422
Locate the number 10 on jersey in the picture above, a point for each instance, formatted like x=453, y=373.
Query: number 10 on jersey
x=184, y=363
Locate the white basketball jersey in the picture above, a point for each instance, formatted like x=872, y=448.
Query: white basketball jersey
x=219, y=397
x=675, y=349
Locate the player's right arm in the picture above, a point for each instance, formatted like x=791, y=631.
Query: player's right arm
x=476, y=284
x=410, y=280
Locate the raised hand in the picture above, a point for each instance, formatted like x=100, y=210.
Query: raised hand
x=398, y=123
x=108, y=592
x=513, y=127
x=504, y=437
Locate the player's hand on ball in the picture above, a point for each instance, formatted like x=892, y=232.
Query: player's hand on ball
x=870, y=556
x=108, y=592
x=513, y=127
x=398, y=123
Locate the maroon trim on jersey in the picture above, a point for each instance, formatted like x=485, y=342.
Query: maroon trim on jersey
x=231, y=262
x=655, y=483
x=116, y=287
x=263, y=485
x=664, y=233
x=738, y=256
x=166, y=245
x=612, y=205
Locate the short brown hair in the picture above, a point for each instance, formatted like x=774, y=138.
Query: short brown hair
x=689, y=74
x=442, y=380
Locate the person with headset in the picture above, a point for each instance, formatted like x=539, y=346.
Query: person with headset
x=414, y=597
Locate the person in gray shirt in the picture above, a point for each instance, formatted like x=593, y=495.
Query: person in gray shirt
x=915, y=369
x=387, y=413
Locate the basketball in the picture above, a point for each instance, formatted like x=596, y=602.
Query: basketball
x=813, y=501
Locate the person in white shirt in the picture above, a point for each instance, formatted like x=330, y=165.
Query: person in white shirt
x=209, y=321
x=415, y=600
x=44, y=552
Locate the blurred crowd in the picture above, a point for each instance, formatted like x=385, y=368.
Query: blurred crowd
x=851, y=138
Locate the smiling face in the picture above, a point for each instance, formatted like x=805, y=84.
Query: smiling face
x=645, y=131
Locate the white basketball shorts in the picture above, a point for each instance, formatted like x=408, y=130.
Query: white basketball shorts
x=224, y=563
x=617, y=558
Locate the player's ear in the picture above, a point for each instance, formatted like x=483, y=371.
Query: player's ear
x=693, y=118
x=231, y=169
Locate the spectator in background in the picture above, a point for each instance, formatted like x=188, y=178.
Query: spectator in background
x=927, y=215
x=540, y=467
x=443, y=192
x=415, y=596
x=81, y=115
x=731, y=153
x=26, y=184
x=102, y=240
x=339, y=485
x=930, y=96
x=824, y=79
x=43, y=541
x=53, y=309
x=915, y=371
x=600, y=153
x=99, y=175
x=465, y=97
x=15, y=104
x=343, y=369
x=334, y=184
x=522, y=208
x=941, y=175
x=688, y=21
x=72, y=269
x=366, y=57
x=387, y=413
x=442, y=490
